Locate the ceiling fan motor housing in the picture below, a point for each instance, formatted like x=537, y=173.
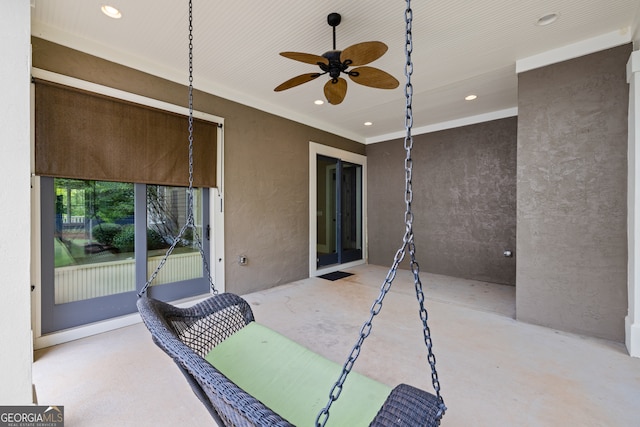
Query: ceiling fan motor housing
x=335, y=66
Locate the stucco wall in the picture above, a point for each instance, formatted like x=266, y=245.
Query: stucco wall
x=464, y=185
x=266, y=194
x=572, y=195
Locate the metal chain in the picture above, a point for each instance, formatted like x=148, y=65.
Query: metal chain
x=407, y=243
x=190, y=223
x=410, y=242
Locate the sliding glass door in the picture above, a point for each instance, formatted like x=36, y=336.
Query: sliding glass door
x=101, y=240
x=339, y=211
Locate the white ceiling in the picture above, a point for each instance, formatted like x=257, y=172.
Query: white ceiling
x=459, y=48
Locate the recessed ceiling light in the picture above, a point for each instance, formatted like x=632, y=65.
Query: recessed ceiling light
x=470, y=97
x=368, y=123
x=318, y=102
x=111, y=11
x=547, y=19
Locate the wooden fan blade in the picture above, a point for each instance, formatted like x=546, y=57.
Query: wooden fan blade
x=363, y=53
x=298, y=80
x=335, y=92
x=373, y=77
x=307, y=58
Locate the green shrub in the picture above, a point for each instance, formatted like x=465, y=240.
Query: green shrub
x=188, y=235
x=105, y=232
x=124, y=240
x=155, y=240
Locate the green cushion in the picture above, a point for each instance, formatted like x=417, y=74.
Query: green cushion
x=293, y=381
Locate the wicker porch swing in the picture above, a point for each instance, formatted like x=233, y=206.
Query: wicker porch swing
x=224, y=353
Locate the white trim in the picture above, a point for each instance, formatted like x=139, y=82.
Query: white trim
x=36, y=263
x=332, y=268
x=451, y=124
x=633, y=65
x=575, y=50
x=85, y=331
x=216, y=215
x=120, y=94
x=325, y=150
x=36, y=258
x=216, y=212
x=632, y=337
x=632, y=320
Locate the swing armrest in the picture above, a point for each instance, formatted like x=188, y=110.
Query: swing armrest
x=408, y=406
x=201, y=326
x=169, y=326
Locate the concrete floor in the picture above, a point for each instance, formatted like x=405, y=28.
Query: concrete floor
x=494, y=371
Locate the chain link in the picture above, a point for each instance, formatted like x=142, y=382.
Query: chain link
x=190, y=222
x=409, y=236
x=407, y=244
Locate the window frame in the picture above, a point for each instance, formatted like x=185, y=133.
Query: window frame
x=56, y=317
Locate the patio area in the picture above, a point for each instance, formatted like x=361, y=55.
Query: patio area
x=494, y=370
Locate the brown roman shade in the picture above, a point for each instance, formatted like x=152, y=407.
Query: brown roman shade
x=84, y=135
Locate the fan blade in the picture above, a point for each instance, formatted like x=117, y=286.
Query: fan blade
x=307, y=58
x=298, y=80
x=363, y=53
x=335, y=92
x=374, y=77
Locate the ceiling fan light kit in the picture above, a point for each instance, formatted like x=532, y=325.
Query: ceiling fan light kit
x=336, y=62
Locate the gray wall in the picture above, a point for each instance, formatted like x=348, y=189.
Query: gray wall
x=266, y=169
x=572, y=172
x=464, y=200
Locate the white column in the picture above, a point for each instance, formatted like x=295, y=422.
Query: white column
x=632, y=321
x=16, y=356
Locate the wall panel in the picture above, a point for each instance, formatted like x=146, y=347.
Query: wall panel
x=572, y=195
x=464, y=200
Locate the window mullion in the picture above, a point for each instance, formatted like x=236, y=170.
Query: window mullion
x=140, y=221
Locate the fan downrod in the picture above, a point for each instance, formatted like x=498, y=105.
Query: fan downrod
x=334, y=19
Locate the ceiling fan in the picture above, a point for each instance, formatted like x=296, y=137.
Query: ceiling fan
x=335, y=62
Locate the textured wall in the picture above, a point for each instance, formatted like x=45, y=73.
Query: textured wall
x=572, y=209
x=266, y=169
x=464, y=200
x=267, y=196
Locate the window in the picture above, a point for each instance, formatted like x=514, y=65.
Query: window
x=166, y=215
x=93, y=239
x=101, y=241
x=112, y=180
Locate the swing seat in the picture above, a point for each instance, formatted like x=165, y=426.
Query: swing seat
x=189, y=335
